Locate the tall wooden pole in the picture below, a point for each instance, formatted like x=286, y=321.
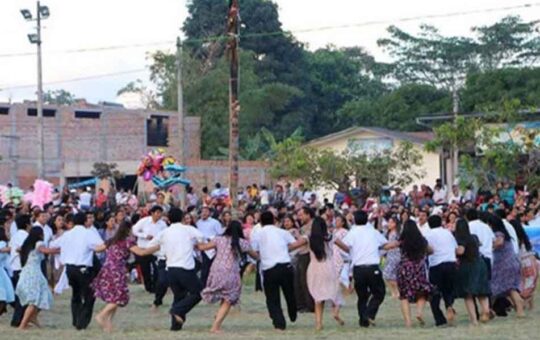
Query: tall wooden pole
x=234, y=104
x=181, y=129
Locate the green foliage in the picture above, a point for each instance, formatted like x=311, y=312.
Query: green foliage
x=488, y=91
x=328, y=169
x=58, y=97
x=104, y=170
x=429, y=57
x=508, y=42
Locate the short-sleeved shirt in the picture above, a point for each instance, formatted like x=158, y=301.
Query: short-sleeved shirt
x=177, y=243
x=364, y=243
x=444, y=246
x=77, y=246
x=272, y=243
x=485, y=236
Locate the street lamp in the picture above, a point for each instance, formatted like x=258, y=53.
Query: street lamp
x=42, y=12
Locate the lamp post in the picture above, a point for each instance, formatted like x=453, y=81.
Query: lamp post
x=42, y=12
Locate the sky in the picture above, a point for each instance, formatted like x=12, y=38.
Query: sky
x=83, y=24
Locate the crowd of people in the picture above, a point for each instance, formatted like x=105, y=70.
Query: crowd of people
x=426, y=246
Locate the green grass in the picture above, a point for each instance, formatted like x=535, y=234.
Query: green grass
x=136, y=321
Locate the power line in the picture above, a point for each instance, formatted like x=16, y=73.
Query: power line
x=277, y=33
x=99, y=76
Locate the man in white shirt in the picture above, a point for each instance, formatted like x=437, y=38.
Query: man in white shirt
x=85, y=200
x=442, y=269
x=273, y=245
x=422, y=222
x=210, y=228
x=439, y=195
x=146, y=229
x=77, y=249
x=178, y=243
x=304, y=300
x=485, y=236
x=23, y=224
x=364, y=244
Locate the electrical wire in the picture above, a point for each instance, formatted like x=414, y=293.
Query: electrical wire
x=246, y=36
x=83, y=78
x=277, y=33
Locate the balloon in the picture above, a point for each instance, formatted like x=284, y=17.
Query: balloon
x=147, y=175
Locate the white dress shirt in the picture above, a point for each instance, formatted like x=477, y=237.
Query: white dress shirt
x=47, y=233
x=364, y=243
x=444, y=246
x=510, y=229
x=15, y=243
x=424, y=229
x=146, y=227
x=485, y=235
x=77, y=246
x=272, y=243
x=210, y=228
x=85, y=200
x=178, y=242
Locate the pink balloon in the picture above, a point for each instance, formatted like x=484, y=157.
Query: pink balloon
x=147, y=175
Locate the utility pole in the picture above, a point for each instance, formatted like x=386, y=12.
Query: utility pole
x=41, y=146
x=181, y=129
x=42, y=12
x=455, y=151
x=234, y=104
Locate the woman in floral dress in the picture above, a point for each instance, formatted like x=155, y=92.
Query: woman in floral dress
x=393, y=257
x=111, y=284
x=412, y=279
x=224, y=283
x=7, y=294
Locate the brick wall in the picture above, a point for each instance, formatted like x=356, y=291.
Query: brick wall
x=72, y=145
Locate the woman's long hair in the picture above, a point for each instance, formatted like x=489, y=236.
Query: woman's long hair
x=413, y=244
x=318, y=238
x=123, y=232
x=235, y=232
x=35, y=235
x=497, y=225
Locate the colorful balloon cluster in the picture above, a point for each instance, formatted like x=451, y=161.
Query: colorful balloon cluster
x=161, y=169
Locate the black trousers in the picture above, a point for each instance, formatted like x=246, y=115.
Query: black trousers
x=162, y=283
x=442, y=276
x=369, y=286
x=186, y=288
x=304, y=301
x=205, y=268
x=82, y=299
x=280, y=277
x=18, y=310
x=149, y=271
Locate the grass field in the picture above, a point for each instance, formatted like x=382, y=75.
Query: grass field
x=136, y=321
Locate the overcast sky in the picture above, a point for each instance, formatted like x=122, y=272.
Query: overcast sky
x=79, y=24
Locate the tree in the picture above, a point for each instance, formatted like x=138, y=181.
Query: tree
x=497, y=148
x=58, y=97
x=488, y=91
x=396, y=110
x=330, y=170
x=104, y=170
x=508, y=42
x=148, y=97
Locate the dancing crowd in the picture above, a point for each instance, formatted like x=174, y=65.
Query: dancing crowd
x=426, y=246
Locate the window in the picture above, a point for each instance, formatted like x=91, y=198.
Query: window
x=87, y=114
x=4, y=110
x=157, y=131
x=46, y=112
